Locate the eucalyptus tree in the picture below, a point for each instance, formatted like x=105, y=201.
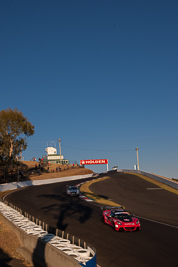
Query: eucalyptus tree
x=14, y=131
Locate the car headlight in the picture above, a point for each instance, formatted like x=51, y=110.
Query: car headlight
x=118, y=223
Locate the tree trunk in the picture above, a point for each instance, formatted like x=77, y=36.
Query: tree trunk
x=11, y=148
x=17, y=173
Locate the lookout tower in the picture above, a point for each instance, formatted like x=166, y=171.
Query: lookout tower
x=53, y=157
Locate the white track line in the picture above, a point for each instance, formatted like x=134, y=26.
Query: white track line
x=155, y=188
x=158, y=222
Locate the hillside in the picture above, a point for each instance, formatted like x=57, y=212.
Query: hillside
x=32, y=170
x=69, y=170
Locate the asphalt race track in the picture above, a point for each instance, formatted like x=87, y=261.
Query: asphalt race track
x=155, y=245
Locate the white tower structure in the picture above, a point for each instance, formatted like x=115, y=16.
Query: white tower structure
x=53, y=157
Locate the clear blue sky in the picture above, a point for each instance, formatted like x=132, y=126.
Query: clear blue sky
x=102, y=75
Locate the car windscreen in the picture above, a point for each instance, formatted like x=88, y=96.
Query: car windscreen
x=123, y=217
x=72, y=187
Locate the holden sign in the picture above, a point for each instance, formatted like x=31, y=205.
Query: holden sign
x=93, y=161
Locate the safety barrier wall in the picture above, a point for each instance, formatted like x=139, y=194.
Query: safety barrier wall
x=16, y=185
x=153, y=176
x=32, y=248
x=37, y=246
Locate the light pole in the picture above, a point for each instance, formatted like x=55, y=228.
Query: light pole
x=138, y=167
x=59, y=140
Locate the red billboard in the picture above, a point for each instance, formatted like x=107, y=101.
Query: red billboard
x=93, y=161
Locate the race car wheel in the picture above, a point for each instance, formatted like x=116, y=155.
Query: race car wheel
x=102, y=219
x=114, y=227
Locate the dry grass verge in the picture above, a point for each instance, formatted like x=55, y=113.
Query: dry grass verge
x=88, y=193
x=8, y=245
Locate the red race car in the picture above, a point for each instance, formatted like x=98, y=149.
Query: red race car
x=120, y=219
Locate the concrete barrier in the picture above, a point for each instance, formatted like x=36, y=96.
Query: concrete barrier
x=36, y=251
x=153, y=176
x=42, y=248
x=16, y=185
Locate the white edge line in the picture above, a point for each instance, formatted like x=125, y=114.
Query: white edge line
x=157, y=222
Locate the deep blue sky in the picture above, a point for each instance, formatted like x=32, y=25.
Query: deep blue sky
x=101, y=75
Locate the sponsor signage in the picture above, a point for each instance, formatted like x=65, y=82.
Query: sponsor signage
x=93, y=161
